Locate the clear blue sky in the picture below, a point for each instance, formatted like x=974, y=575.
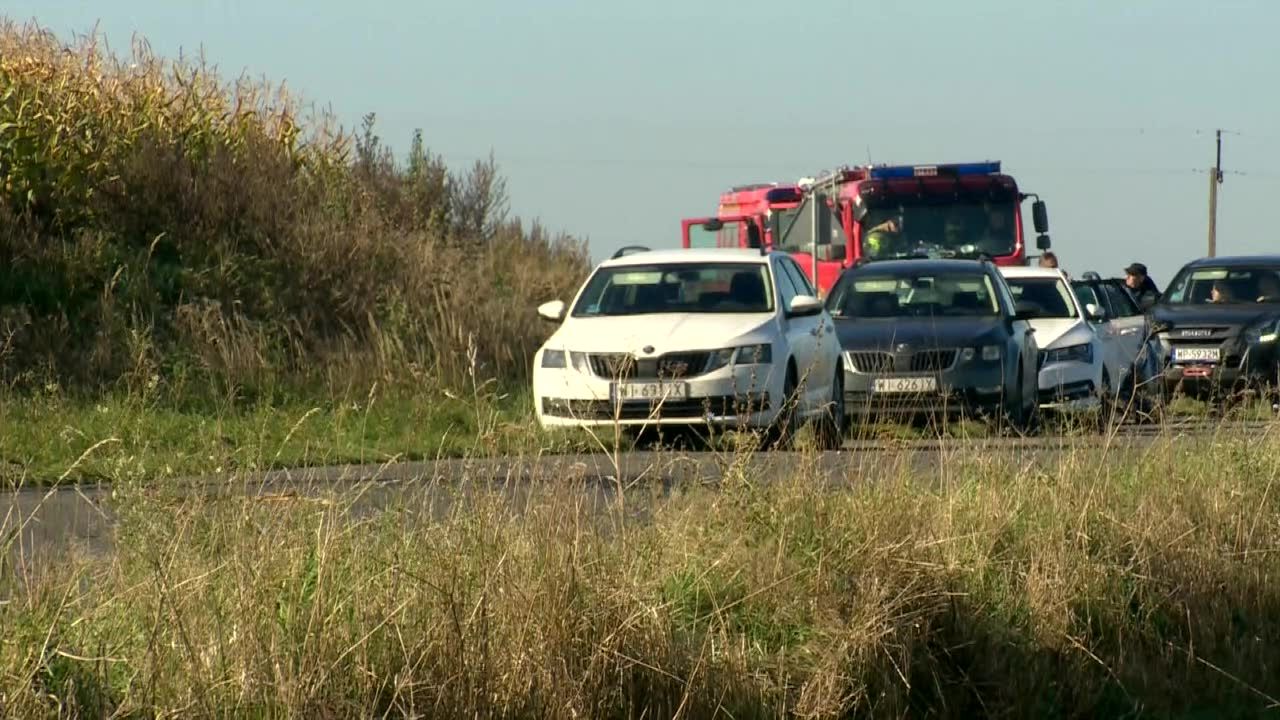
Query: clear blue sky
x=612, y=121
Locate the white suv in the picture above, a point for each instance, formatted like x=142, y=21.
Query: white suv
x=689, y=337
x=1073, y=374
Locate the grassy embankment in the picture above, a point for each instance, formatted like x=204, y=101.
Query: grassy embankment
x=1092, y=584
x=196, y=270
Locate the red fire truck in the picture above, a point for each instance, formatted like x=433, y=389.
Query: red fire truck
x=747, y=216
x=953, y=210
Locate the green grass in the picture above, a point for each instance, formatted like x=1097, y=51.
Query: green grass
x=1089, y=584
x=50, y=438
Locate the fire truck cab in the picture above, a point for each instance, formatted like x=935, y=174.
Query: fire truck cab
x=884, y=211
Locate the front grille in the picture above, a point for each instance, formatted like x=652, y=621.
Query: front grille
x=871, y=362
x=920, y=361
x=623, y=366
x=1067, y=392
x=693, y=408
x=932, y=360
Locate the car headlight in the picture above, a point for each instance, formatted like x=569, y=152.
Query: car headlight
x=1267, y=331
x=1072, y=353
x=553, y=359
x=761, y=354
x=989, y=353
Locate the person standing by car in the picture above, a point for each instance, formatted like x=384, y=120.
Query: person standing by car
x=1143, y=287
x=1049, y=260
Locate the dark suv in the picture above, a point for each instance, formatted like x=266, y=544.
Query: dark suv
x=1217, y=326
x=926, y=337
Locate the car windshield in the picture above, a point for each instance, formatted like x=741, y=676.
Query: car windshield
x=954, y=229
x=721, y=234
x=1051, y=296
x=677, y=288
x=1224, y=285
x=914, y=295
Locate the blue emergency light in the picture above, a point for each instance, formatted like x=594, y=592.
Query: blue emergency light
x=895, y=172
x=786, y=194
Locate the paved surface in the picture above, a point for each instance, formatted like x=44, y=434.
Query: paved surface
x=42, y=523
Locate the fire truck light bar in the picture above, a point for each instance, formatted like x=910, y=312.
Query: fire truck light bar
x=783, y=194
x=890, y=172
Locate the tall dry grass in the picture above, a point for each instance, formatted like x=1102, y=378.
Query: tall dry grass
x=162, y=225
x=993, y=585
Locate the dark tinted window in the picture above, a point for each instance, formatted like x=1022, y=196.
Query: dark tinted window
x=1121, y=302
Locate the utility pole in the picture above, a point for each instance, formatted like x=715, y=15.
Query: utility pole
x=1215, y=179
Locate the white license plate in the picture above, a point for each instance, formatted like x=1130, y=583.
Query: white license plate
x=1194, y=354
x=650, y=391
x=906, y=385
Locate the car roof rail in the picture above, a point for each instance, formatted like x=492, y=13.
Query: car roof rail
x=629, y=250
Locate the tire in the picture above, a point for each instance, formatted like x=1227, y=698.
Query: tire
x=1019, y=417
x=831, y=423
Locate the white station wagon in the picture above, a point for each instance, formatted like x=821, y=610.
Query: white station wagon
x=692, y=337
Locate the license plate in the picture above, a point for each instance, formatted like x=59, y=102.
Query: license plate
x=650, y=391
x=1194, y=354
x=906, y=385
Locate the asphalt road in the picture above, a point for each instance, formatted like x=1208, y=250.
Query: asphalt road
x=38, y=523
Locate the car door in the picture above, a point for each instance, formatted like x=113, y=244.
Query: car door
x=1024, y=336
x=801, y=332
x=826, y=350
x=1092, y=292
x=1128, y=326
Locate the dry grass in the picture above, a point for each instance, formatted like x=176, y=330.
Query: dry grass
x=163, y=229
x=992, y=586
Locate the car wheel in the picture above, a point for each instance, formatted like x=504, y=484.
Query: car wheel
x=1013, y=414
x=832, y=421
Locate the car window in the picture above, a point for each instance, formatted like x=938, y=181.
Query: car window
x=1088, y=295
x=1122, y=304
x=1050, y=295
x=1006, y=296
x=909, y=294
x=676, y=288
x=1218, y=285
x=798, y=278
x=786, y=286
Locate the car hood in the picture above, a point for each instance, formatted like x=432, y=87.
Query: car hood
x=666, y=332
x=1061, y=332
x=886, y=334
x=1234, y=316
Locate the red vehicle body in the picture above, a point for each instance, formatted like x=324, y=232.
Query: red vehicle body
x=957, y=210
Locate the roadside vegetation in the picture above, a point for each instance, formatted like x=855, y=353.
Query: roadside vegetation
x=218, y=247
x=1095, y=583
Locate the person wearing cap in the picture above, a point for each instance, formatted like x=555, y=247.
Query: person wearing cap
x=1143, y=287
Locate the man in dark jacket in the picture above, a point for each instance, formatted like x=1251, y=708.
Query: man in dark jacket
x=1142, y=286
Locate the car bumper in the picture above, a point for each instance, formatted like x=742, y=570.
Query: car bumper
x=738, y=396
x=1255, y=367
x=1070, y=386
x=976, y=390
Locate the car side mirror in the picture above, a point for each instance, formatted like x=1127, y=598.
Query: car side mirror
x=1026, y=311
x=1040, y=217
x=804, y=305
x=552, y=311
x=1094, y=313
